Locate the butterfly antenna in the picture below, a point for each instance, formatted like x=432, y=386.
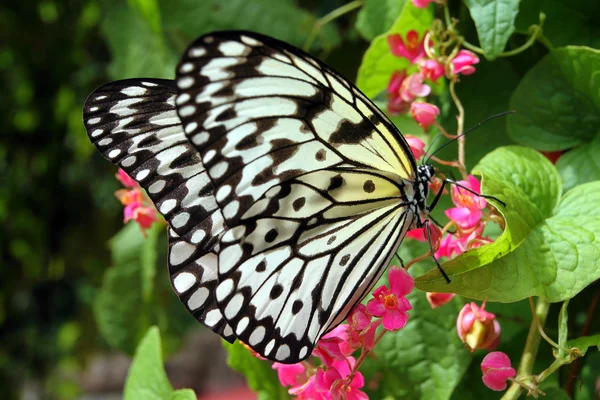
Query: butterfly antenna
x=429, y=148
x=502, y=114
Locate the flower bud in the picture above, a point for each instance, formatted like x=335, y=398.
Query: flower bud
x=477, y=328
x=424, y=113
x=496, y=370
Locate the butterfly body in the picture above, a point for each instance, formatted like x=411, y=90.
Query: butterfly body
x=286, y=189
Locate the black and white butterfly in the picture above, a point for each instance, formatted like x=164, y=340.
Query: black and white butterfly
x=286, y=189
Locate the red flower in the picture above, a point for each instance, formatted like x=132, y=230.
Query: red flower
x=417, y=146
x=290, y=374
x=336, y=380
x=496, y=370
x=424, y=113
x=436, y=299
x=423, y=3
x=412, y=49
x=395, y=103
x=477, y=328
x=468, y=211
x=413, y=87
x=553, y=156
x=463, y=62
x=391, y=303
x=431, y=69
x=334, y=346
x=361, y=328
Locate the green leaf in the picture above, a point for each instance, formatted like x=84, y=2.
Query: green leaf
x=281, y=19
x=137, y=49
x=580, y=165
x=556, y=393
x=377, y=16
x=425, y=359
x=147, y=378
x=589, y=377
x=584, y=343
x=379, y=63
x=550, y=246
x=150, y=10
x=495, y=22
x=261, y=378
x=120, y=308
x=567, y=22
x=558, y=101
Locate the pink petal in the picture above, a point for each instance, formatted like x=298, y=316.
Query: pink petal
x=401, y=283
x=288, y=374
x=464, y=217
x=376, y=307
x=496, y=370
x=436, y=299
x=394, y=320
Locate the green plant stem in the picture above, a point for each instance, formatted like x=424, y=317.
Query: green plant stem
x=321, y=22
x=460, y=121
x=529, y=353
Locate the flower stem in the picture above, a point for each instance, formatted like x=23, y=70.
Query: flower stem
x=529, y=353
x=460, y=121
x=321, y=22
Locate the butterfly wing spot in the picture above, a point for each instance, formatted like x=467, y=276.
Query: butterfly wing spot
x=283, y=352
x=213, y=317
x=223, y=192
x=242, y=325
x=219, y=169
x=344, y=260
x=250, y=41
x=149, y=84
x=186, y=67
x=198, y=236
x=271, y=235
x=233, y=49
x=157, y=186
x=114, y=153
x=191, y=127
x=200, y=138
x=167, y=206
x=182, y=99
x=257, y=336
x=140, y=176
x=134, y=91
x=183, y=281
x=209, y=156
x=185, y=82
x=276, y=291
x=234, y=306
x=180, y=252
x=369, y=186
x=297, y=306
x=186, y=111
x=209, y=39
x=196, y=52
x=198, y=298
x=180, y=219
x=303, y=352
x=105, y=142
x=93, y=121
x=96, y=132
x=298, y=203
x=231, y=209
x=269, y=347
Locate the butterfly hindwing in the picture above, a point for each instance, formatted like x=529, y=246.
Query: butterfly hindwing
x=134, y=124
x=312, y=179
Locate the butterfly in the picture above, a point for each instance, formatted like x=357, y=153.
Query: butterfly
x=287, y=191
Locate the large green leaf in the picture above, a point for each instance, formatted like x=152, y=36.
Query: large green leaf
x=580, y=165
x=147, y=378
x=379, y=63
x=558, y=101
x=424, y=360
x=261, y=378
x=137, y=48
x=551, y=243
x=281, y=19
x=495, y=22
x=377, y=16
x=567, y=22
x=121, y=306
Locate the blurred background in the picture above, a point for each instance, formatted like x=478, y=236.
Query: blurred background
x=73, y=303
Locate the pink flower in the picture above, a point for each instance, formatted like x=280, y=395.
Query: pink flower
x=337, y=380
x=310, y=390
x=423, y=3
x=424, y=113
x=125, y=179
x=496, y=370
x=413, y=87
x=430, y=69
x=290, y=374
x=448, y=247
x=417, y=146
x=145, y=216
x=477, y=328
x=391, y=303
x=468, y=211
x=412, y=50
x=361, y=329
x=334, y=346
x=463, y=62
x=395, y=103
x=436, y=299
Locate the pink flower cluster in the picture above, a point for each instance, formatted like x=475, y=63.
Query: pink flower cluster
x=406, y=91
x=137, y=207
x=337, y=377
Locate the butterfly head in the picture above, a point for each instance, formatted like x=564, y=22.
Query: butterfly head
x=425, y=174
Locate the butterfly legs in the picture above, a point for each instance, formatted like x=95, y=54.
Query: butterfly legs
x=438, y=195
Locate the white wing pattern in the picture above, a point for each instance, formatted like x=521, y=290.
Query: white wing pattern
x=134, y=124
x=316, y=186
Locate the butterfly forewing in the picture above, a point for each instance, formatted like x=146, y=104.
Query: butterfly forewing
x=134, y=124
x=312, y=179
